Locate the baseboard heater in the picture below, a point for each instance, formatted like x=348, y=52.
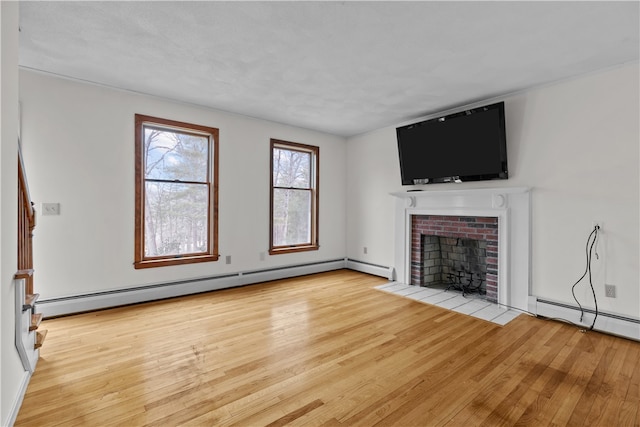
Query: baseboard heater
x=367, y=267
x=623, y=326
x=99, y=300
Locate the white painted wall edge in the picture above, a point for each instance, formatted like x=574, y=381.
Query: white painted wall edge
x=25, y=338
x=613, y=324
x=95, y=301
x=17, y=403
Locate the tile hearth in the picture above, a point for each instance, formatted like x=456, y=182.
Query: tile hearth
x=471, y=305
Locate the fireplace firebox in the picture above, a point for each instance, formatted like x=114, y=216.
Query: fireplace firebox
x=456, y=252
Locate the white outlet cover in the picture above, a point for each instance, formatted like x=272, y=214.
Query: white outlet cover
x=50, y=208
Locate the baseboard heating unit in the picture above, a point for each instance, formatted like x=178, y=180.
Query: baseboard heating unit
x=99, y=300
x=375, y=269
x=623, y=326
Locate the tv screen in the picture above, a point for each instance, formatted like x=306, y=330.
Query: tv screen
x=466, y=146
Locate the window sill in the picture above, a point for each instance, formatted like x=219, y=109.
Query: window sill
x=163, y=262
x=291, y=249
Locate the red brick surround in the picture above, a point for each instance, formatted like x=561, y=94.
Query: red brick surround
x=469, y=227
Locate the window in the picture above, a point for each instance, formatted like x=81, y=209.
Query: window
x=176, y=193
x=294, y=197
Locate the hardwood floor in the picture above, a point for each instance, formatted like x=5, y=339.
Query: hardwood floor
x=325, y=350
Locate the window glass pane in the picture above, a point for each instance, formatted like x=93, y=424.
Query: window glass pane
x=176, y=218
x=175, y=156
x=291, y=168
x=291, y=217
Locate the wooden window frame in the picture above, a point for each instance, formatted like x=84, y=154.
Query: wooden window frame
x=314, y=189
x=211, y=254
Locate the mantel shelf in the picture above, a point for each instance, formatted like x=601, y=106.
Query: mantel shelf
x=461, y=192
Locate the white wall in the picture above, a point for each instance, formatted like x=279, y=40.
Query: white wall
x=78, y=144
x=12, y=373
x=575, y=143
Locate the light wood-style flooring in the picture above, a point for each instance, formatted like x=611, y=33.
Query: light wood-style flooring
x=325, y=350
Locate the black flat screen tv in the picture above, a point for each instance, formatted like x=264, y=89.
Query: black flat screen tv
x=467, y=146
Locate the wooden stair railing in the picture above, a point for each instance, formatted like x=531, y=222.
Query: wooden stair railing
x=28, y=338
x=26, y=224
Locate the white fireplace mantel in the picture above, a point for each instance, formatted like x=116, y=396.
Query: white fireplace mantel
x=511, y=205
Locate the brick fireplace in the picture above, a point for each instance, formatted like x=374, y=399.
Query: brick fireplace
x=453, y=251
x=502, y=220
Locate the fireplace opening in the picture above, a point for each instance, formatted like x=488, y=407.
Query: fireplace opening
x=455, y=263
x=456, y=252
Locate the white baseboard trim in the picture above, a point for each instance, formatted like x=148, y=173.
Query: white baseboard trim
x=17, y=401
x=623, y=326
x=258, y=276
x=366, y=267
x=95, y=301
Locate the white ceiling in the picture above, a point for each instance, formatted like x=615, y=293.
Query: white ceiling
x=337, y=67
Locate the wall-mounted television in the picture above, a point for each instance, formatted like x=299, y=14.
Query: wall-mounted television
x=470, y=145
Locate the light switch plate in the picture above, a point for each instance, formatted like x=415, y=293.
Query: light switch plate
x=51, y=209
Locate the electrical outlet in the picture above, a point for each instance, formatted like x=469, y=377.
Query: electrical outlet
x=50, y=208
x=364, y=250
x=228, y=259
x=610, y=291
x=262, y=256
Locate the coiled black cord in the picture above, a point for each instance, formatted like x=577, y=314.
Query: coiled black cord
x=587, y=271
